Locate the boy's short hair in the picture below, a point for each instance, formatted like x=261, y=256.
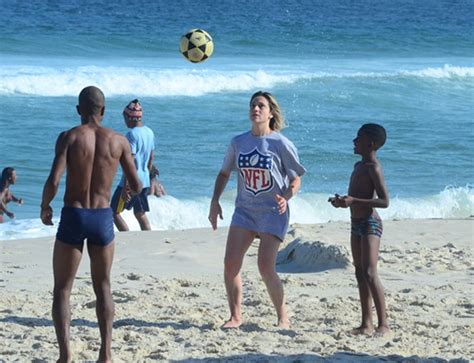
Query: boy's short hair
x=7, y=174
x=376, y=134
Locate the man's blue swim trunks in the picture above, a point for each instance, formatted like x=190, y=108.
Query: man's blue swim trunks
x=77, y=224
x=365, y=226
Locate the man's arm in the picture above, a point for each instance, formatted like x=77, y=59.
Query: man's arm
x=128, y=166
x=150, y=161
x=52, y=183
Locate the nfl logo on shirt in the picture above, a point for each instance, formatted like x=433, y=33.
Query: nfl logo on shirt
x=255, y=169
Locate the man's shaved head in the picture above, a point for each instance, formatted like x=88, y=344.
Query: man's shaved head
x=91, y=101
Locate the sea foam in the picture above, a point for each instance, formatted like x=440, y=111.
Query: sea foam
x=114, y=81
x=154, y=82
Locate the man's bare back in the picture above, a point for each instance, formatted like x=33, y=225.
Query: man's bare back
x=93, y=154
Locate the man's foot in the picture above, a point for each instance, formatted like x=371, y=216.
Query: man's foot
x=382, y=331
x=104, y=357
x=63, y=359
x=283, y=324
x=232, y=323
x=362, y=330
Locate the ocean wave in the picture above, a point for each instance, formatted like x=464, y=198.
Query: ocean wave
x=152, y=82
x=447, y=71
x=169, y=213
x=116, y=81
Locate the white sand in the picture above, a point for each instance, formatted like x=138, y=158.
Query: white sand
x=170, y=299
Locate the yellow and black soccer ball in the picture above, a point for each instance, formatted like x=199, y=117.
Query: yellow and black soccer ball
x=196, y=45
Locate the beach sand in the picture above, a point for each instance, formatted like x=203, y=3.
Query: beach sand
x=170, y=299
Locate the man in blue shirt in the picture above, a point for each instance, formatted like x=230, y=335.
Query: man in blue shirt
x=142, y=144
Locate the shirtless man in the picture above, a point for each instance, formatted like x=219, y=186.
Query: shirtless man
x=91, y=155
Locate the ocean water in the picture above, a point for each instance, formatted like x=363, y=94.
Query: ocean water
x=333, y=66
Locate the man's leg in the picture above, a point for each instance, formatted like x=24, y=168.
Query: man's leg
x=370, y=255
x=143, y=221
x=117, y=204
x=120, y=223
x=101, y=265
x=66, y=259
x=238, y=242
x=367, y=325
x=267, y=254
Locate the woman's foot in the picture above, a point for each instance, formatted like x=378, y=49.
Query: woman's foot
x=283, y=324
x=232, y=323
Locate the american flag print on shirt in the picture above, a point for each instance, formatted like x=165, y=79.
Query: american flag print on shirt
x=255, y=169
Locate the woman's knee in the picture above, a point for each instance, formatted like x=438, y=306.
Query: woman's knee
x=232, y=265
x=267, y=270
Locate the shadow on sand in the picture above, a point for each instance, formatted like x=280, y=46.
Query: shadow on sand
x=42, y=322
x=339, y=357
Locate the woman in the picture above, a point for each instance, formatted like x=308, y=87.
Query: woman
x=268, y=176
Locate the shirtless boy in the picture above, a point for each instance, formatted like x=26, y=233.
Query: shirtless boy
x=6, y=196
x=367, y=191
x=91, y=154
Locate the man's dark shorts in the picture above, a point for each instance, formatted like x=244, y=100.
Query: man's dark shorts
x=139, y=202
x=77, y=224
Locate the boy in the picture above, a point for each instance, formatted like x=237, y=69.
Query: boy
x=6, y=196
x=156, y=188
x=367, y=191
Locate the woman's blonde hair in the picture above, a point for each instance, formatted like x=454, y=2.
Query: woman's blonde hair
x=277, y=122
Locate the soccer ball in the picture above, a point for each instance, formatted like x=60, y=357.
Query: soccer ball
x=196, y=45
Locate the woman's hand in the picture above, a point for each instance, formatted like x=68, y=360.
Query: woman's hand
x=214, y=211
x=282, y=203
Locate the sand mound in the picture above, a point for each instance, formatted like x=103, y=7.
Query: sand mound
x=312, y=256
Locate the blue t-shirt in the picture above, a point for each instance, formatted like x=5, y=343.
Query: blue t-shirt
x=142, y=143
x=265, y=166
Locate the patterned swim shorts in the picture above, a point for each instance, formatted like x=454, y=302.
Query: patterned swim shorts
x=365, y=226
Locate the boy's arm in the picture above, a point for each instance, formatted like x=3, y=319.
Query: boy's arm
x=3, y=208
x=16, y=200
x=382, y=200
x=128, y=166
